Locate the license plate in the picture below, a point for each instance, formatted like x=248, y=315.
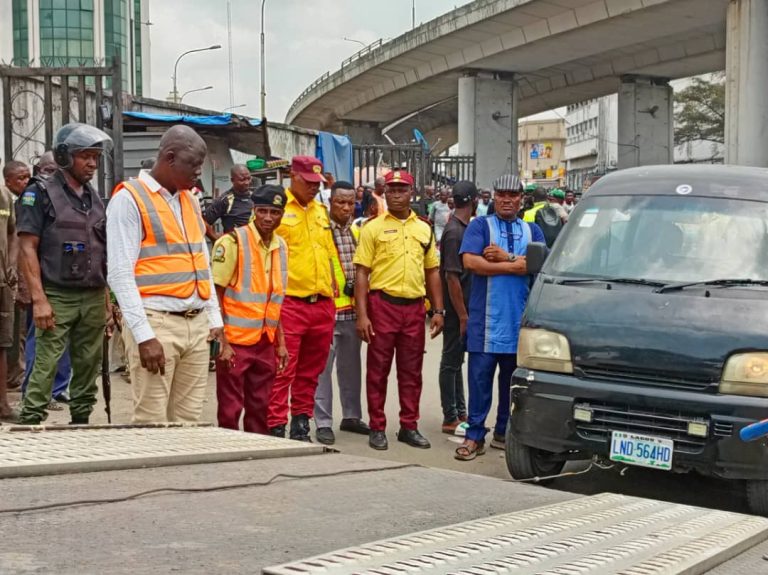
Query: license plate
x=643, y=450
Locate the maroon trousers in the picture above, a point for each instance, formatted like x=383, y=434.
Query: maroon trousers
x=399, y=332
x=308, y=330
x=246, y=384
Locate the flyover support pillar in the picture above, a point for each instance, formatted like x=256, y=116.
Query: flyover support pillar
x=488, y=113
x=646, y=122
x=746, y=66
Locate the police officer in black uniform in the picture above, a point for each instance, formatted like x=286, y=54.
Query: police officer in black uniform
x=62, y=236
x=234, y=207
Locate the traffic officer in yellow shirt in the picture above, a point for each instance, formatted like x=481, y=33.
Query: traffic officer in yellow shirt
x=308, y=313
x=394, y=262
x=250, y=270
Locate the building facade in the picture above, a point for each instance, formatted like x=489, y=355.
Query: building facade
x=592, y=134
x=542, y=152
x=59, y=33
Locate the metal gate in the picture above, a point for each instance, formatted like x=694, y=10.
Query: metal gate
x=37, y=101
x=427, y=170
x=447, y=170
x=374, y=160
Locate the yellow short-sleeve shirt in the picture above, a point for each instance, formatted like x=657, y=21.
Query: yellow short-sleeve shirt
x=397, y=253
x=307, y=232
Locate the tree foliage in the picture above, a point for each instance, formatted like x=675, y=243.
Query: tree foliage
x=700, y=111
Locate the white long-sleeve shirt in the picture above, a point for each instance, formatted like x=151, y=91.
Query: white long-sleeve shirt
x=124, y=235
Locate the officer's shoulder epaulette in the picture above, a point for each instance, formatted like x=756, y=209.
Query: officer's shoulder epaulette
x=38, y=182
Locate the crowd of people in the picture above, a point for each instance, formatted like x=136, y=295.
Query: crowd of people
x=296, y=280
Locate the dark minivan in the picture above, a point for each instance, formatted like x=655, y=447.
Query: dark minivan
x=645, y=339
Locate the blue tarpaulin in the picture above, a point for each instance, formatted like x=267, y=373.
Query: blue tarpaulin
x=336, y=154
x=222, y=120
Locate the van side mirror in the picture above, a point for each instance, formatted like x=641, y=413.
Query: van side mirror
x=535, y=256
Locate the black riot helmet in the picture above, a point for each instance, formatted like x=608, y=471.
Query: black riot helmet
x=74, y=137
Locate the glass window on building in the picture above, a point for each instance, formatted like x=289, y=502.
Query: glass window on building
x=20, y=33
x=115, y=34
x=66, y=32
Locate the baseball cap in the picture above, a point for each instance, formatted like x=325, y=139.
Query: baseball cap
x=507, y=182
x=269, y=195
x=398, y=177
x=464, y=191
x=309, y=168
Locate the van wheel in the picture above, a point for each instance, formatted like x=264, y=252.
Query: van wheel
x=525, y=462
x=757, y=496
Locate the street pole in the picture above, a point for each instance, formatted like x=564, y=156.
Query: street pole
x=263, y=65
x=176, y=65
x=413, y=13
x=184, y=95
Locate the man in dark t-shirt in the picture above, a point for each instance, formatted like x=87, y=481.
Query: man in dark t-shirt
x=456, y=283
x=234, y=207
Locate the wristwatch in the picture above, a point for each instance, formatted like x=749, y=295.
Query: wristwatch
x=511, y=257
x=439, y=312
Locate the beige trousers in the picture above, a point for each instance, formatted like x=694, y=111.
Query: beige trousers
x=178, y=395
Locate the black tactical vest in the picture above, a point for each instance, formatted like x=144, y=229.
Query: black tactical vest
x=73, y=251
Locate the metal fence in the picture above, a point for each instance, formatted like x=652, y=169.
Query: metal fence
x=37, y=101
x=427, y=170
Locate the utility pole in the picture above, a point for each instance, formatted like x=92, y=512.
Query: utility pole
x=231, y=63
x=263, y=67
x=413, y=13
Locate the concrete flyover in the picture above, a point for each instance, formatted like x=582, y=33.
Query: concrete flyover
x=469, y=74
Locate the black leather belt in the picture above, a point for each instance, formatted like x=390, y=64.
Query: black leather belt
x=188, y=314
x=398, y=300
x=314, y=298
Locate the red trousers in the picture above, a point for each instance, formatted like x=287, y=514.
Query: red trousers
x=399, y=332
x=308, y=329
x=246, y=384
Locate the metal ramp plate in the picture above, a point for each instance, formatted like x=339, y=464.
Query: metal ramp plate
x=42, y=451
x=603, y=534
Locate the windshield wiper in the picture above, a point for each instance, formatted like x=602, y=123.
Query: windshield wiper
x=720, y=283
x=636, y=281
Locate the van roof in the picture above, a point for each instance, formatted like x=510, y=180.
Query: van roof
x=690, y=179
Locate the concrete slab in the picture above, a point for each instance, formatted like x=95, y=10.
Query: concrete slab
x=46, y=451
x=605, y=534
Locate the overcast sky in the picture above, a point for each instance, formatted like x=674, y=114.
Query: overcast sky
x=304, y=40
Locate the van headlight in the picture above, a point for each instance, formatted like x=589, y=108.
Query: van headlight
x=746, y=374
x=544, y=350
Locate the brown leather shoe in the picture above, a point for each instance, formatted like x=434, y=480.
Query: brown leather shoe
x=449, y=427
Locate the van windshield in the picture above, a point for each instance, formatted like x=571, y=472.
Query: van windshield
x=664, y=238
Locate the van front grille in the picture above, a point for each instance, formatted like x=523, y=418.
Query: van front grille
x=660, y=423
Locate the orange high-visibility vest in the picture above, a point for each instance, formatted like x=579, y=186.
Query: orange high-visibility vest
x=251, y=306
x=170, y=263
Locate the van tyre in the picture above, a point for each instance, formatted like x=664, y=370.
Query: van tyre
x=525, y=462
x=757, y=496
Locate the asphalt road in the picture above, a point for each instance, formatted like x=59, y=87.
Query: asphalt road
x=690, y=488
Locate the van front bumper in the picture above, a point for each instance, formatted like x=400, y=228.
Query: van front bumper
x=543, y=407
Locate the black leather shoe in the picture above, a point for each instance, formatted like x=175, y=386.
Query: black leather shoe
x=300, y=428
x=277, y=431
x=378, y=440
x=413, y=438
x=355, y=426
x=325, y=435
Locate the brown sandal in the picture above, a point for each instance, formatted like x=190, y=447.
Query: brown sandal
x=465, y=453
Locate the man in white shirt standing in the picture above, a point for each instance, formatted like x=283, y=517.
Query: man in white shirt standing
x=159, y=270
